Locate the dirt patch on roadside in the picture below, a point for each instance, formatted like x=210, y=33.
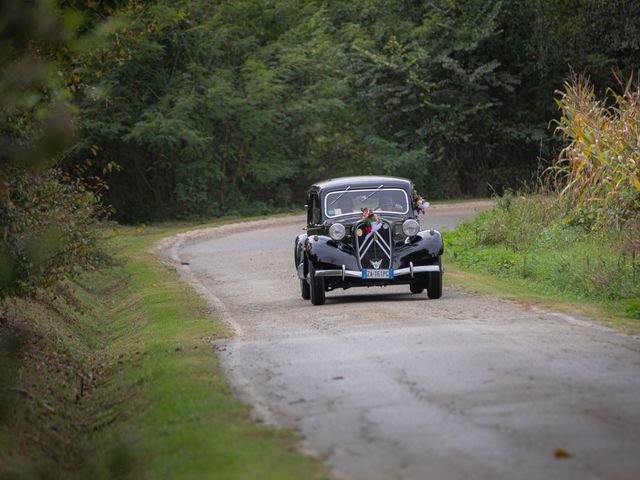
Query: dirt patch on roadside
x=462, y=207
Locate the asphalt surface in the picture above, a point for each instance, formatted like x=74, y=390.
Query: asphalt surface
x=385, y=384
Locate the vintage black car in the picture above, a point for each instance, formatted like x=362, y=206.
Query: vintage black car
x=342, y=248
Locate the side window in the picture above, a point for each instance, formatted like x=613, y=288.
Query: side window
x=316, y=214
x=309, y=206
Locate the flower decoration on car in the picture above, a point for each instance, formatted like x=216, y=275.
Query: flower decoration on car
x=371, y=223
x=368, y=219
x=419, y=204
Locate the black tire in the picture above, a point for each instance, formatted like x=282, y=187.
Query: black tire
x=305, y=292
x=416, y=287
x=434, y=285
x=316, y=287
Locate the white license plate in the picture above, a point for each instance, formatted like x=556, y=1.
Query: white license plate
x=377, y=274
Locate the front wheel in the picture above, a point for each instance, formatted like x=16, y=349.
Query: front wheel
x=304, y=290
x=416, y=287
x=434, y=284
x=316, y=286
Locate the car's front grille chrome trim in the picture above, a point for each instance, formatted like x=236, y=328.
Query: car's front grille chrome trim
x=378, y=240
x=382, y=243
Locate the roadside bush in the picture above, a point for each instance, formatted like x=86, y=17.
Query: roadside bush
x=516, y=222
x=633, y=308
x=48, y=226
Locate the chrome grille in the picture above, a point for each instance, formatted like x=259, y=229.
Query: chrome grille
x=375, y=250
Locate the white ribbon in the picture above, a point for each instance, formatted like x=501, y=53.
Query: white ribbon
x=422, y=208
x=375, y=226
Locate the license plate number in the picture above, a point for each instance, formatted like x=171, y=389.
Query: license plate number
x=376, y=274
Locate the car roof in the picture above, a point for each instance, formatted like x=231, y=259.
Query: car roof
x=365, y=181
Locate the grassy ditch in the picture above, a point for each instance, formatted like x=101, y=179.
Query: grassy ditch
x=529, y=248
x=114, y=376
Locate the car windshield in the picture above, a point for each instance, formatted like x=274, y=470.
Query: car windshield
x=348, y=201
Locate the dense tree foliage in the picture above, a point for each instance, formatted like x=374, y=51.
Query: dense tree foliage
x=205, y=107
x=47, y=218
x=199, y=107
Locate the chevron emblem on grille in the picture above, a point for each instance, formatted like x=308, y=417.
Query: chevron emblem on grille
x=377, y=240
x=375, y=248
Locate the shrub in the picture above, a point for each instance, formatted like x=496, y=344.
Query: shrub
x=48, y=227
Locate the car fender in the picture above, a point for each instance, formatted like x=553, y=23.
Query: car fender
x=326, y=253
x=431, y=241
x=299, y=256
x=422, y=249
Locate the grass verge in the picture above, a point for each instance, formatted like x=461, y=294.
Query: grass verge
x=528, y=295
x=115, y=376
x=530, y=249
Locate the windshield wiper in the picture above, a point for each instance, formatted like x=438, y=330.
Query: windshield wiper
x=374, y=192
x=345, y=191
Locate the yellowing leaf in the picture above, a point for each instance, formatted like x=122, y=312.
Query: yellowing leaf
x=99, y=74
x=561, y=453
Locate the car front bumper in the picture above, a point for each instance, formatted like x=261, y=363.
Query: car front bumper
x=400, y=272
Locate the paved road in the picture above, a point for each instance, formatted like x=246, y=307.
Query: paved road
x=383, y=384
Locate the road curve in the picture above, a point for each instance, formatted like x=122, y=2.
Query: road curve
x=384, y=384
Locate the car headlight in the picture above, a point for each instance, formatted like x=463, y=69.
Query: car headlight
x=337, y=231
x=410, y=228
